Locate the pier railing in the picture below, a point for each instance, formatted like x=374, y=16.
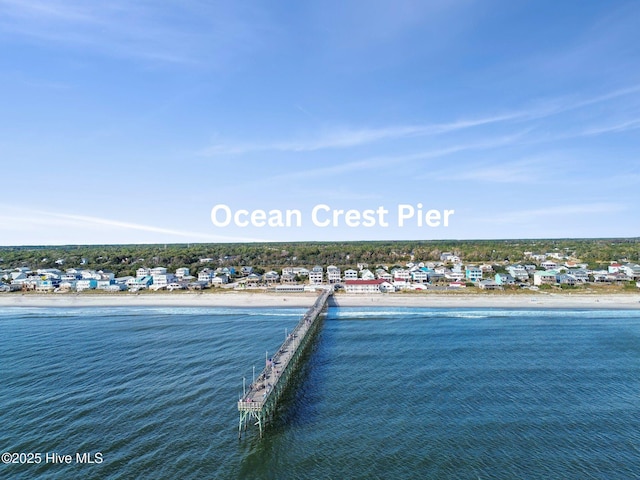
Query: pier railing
x=260, y=399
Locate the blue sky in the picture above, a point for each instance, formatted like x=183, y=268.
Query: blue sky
x=127, y=122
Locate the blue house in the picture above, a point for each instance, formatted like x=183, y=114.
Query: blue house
x=504, y=279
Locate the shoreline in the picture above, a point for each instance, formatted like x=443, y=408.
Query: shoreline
x=619, y=301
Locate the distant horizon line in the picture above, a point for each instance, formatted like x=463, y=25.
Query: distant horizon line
x=188, y=244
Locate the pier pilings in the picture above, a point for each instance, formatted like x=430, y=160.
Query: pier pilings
x=259, y=402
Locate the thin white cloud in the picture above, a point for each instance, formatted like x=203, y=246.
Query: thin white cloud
x=354, y=137
x=387, y=161
x=346, y=138
x=522, y=216
x=42, y=222
x=170, y=32
x=617, y=127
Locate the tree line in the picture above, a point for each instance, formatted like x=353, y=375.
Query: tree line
x=126, y=259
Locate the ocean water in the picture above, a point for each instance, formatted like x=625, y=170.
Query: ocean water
x=393, y=393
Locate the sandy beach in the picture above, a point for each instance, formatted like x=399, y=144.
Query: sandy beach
x=264, y=299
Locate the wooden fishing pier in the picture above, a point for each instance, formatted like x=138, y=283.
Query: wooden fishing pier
x=260, y=400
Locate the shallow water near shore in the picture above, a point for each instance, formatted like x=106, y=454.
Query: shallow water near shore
x=385, y=393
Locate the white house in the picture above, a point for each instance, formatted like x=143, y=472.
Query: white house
x=333, y=274
x=143, y=272
x=205, y=275
x=183, y=272
x=220, y=280
x=350, y=274
x=367, y=286
x=401, y=274
x=544, y=278
x=420, y=276
x=631, y=270
x=315, y=277
x=86, y=284
x=103, y=284
x=163, y=280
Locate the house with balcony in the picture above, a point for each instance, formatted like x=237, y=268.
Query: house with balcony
x=183, y=273
x=489, y=285
x=504, y=279
x=316, y=276
x=162, y=281
x=631, y=270
x=333, y=274
x=86, y=284
x=472, y=273
x=45, y=286
x=205, y=275
x=288, y=278
x=581, y=276
x=143, y=272
x=518, y=272
x=420, y=276
x=271, y=277
x=401, y=274
x=542, y=277
x=219, y=280
x=367, y=286
x=566, y=279
x=104, y=284
x=350, y=274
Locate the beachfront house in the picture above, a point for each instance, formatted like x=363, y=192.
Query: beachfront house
x=518, y=272
x=333, y=274
x=103, y=284
x=472, y=273
x=140, y=283
x=45, y=286
x=566, y=279
x=205, y=275
x=162, y=280
x=401, y=274
x=541, y=277
x=271, y=277
x=219, y=280
x=350, y=274
x=504, y=279
x=86, y=284
x=246, y=270
x=420, y=276
x=489, y=285
x=143, y=272
x=316, y=275
x=368, y=286
x=288, y=278
x=183, y=273
x=581, y=276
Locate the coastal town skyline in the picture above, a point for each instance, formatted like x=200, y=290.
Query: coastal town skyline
x=129, y=124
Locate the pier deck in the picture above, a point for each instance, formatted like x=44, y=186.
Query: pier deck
x=260, y=400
